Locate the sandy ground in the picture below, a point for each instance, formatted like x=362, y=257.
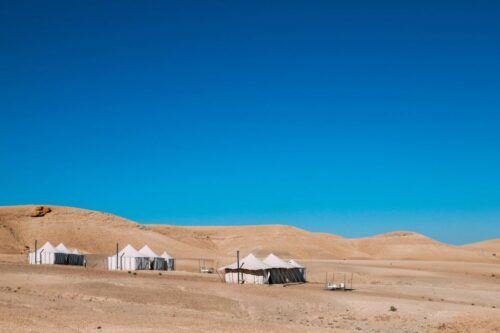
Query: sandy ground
x=429, y=297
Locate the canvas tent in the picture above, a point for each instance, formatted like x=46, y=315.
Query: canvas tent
x=252, y=270
x=44, y=255
x=62, y=249
x=156, y=262
x=59, y=255
x=299, y=270
x=281, y=271
x=170, y=261
x=128, y=259
x=147, y=252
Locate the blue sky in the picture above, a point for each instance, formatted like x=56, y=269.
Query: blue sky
x=353, y=118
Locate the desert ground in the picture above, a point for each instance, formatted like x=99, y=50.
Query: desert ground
x=431, y=286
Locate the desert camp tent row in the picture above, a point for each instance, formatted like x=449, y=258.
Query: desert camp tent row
x=130, y=259
x=59, y=255
x=271, y=270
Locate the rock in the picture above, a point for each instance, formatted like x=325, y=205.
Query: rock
x=41, y=211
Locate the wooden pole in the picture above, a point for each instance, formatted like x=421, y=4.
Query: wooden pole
x=117, y=256
x=36, y=247
x=238, y=265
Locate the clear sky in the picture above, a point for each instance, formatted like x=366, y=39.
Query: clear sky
x=353, y=117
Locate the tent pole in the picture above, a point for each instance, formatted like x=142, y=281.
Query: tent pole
x=36, y=247
x=117, y=256
x=238, y=265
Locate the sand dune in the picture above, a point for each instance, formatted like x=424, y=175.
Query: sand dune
x=490, y=246
x=89, y=231
x=95, y=232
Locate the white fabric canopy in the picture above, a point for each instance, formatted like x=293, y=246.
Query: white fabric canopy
x=47, y=247
x=126, y=259
x=295, y=264
x=165, y=255
x=43, y=255
x=147, y=252
x=61, y=248
x=129, y=251
x=250, y=262
x=276, y=262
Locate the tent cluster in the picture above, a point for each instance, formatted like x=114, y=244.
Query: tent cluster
x=59, y=255
x=271, y=270
x=130, y=259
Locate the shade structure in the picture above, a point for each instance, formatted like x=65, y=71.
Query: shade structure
x=281, y=271
x=147, y=252
x=128, y=259
x=59, y=255
x=169, y=260
x=61, y=248
x=44, y=255
x=299, y=270
x=251, y=270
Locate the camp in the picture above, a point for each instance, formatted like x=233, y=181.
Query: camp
x=252, y=271
x=59, y=255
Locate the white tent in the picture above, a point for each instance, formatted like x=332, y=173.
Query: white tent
x=75, y=251
x=166, y=256
x=43, y=255
x=295, y=264
x=281, y=271
x=128, y=259
x=60, y=255
x=170, y=261
x=276, y=262
x=299, y=270
x=62, y=249
x=147, y=252
x=251, y=270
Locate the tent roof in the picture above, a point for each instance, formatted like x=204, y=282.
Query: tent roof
x=250, y=262
x=129, y=251
x=276, y=262
x=47, y=247
x=295, y=264
x=147, y=252
x=166, y=255
x=61, y=248
x=75, y=251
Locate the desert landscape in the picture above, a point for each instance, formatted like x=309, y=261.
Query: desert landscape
x=402, y=281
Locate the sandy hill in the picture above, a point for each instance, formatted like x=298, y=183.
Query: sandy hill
x=89, y=231
x=282, y=240
x=95, y=232
x=289, y=241
x=491, y=246
x=413, y=246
